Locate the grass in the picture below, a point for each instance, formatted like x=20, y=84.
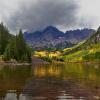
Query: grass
x=90, y=54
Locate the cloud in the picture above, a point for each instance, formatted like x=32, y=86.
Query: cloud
x=34, y=15
x=88, y=14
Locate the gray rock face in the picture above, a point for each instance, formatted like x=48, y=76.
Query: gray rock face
x=51, y=37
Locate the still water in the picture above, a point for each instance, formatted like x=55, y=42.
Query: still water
x=50, y=82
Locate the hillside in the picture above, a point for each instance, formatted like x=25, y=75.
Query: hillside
x=51, y=37
x=88, y=50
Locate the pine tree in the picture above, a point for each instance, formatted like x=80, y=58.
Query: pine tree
x=11, y=50
x=24, y=53
x=4, y=37
x=7, y=54
x=17, y=49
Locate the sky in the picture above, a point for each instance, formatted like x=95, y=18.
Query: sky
x=32, y=15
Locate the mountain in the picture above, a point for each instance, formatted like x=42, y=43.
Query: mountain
x=88, y=50
x=94, y=39
x=78, y=35
x=51, y=37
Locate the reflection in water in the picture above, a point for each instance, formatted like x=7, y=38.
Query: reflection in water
x=11, y=96
x=50, y=82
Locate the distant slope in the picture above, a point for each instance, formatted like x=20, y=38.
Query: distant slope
x=88, y=50
x=51, y=37
x=78, y=35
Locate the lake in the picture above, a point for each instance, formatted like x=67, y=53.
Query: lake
x=50, y=82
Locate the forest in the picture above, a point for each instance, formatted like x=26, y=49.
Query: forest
x=13, y=47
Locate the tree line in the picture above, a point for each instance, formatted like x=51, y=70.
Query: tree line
x=13, y=47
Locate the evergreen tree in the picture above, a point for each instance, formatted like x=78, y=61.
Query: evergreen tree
x=24, y=53
x=4, y=37
x=7, y=54
x=11, y=50
x=15, y=47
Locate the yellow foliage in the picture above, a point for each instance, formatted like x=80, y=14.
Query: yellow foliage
x=46, y=54
x=54, y=54
x=67, y=49
x=91, y=51
x=40, y=53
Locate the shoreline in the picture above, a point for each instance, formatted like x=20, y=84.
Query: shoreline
x=36, y=63
x=77, y=62
x=14, y=63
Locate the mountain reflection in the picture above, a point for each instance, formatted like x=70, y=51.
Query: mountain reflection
x=50, y=82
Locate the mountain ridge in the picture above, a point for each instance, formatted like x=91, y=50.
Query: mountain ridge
x=88, y=50
x=51, y=37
